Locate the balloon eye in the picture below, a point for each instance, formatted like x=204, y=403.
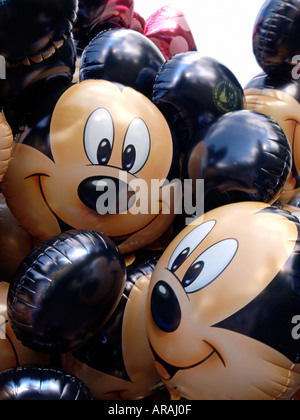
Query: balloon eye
x=129, y=157
x=136, y=148
x=99, y=137
x=104, y=152
x=192, y=274
x=180, y=259
x=210, y=265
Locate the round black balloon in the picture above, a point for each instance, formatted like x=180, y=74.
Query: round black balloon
x=65, y=290
x=276, y=35
x=123, y=56
x=243, y=156
x=26, y=87
x=41, y=384
x=88, y=15
x=31, y=26
x=192, y=91
x=104, y=351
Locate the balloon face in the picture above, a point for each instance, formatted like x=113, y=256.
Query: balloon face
x=44, y=27
x=117, y=362
x=278, y=97
x=41, y=384
x=12, y=351
x=227, y=287
x=104, y=142
x=243, y=156
x=65, y=290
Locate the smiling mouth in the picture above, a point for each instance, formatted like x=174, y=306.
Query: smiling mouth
x=65, y=226
x=167, y=371
x=62, y=225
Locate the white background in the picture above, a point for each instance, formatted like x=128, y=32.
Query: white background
x=222, y=29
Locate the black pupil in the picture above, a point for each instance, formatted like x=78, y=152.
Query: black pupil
x=129, y=157
x=180, y=259
x=104, y=152
x=192, y=274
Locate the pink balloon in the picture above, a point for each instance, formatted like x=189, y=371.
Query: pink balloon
x=118, y=13
x=168, y=28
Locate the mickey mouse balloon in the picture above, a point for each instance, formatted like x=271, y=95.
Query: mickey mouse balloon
x=87, y=161
x=221, y=305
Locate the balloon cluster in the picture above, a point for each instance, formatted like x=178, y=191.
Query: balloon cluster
x=109, y=122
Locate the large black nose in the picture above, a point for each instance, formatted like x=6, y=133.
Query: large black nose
x=165, y=307
x=106, y=195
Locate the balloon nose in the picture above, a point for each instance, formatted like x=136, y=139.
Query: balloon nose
x=106, y=195
x=165, y=308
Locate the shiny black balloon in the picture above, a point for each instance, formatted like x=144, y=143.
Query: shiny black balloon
x=104, y=351
x=25, y=87
x=243, y=156
x=41, y=384
x=123, y=56
x=88, y=15
x=192, y=91
x=276, y=35
x=65, y=290
x=31, y=26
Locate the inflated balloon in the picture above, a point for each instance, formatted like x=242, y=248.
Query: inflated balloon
x=278, y=97
x=88, y=162
x=32, y=30
x=276, y=35
x=243, y=156
x=25, y=87
x=222, y=305
x=33, y=383
x=99, y=15
x=37, y=43
x=192, y=91
x=110, y=56
x=89, y=13
x=6, y=144
x=15, y=243
x=12, y=351
x=117, y=362
x=65, y=290
x=169, y=29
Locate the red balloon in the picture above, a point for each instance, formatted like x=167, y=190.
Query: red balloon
x=118, y=13
x=168, y=28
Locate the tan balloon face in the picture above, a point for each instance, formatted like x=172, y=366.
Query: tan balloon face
x=209, y=273
x=98, y=132
x=285, y=110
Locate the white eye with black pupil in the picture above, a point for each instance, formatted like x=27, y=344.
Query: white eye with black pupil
x=136, y=147
x=99, y=137
x=209, y=265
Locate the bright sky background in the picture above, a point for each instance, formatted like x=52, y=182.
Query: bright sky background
x=222, y=29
